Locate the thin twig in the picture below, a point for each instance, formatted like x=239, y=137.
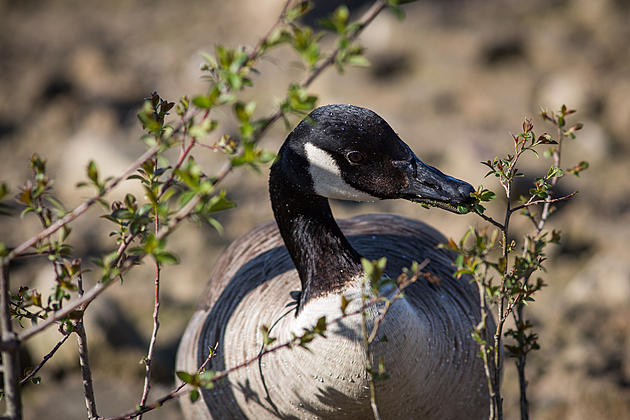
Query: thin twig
x=185, y=151
x=546, y=201
x=498, y=336
x=489, y=220
x=176, y=393
x=556, y=163
x=368, y=354
x=261, y=42
x=482, y=327
x=45, y=359
x=156, y=325
x=84, y=361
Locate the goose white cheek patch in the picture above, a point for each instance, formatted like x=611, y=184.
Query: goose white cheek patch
x=327, y=180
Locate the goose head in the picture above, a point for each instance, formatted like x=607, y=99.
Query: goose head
x=350, y=153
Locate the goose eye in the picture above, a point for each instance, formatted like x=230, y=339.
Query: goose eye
x=355, y=157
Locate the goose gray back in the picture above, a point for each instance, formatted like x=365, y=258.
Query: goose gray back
x=288, y=274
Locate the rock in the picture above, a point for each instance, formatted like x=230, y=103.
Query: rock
x=594, y=141
x=617, y=109
x=605, y=280
x=564, y=88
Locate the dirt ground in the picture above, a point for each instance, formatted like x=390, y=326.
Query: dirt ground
x=454, y=79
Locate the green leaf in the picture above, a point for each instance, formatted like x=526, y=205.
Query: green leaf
x=166, y=258
x=203, y=102
x=202, y=129
x=121, y=214
x=561, y=122
x=463, y=209
x=486, y=195
x=145, y=209
x=216, y=225
x=4, y=190
x=148, y=120
x=358, y=60
x=209, y=58
x=344, y=304
x=4, y=251
x=207, y=375
x=459, y=261
x=320, y=327
x=267, y=340
x=297, y=11
x=554, y=172
x=266, y=156
x=220, y=202
x=582, y=166
x=185, y=377
x=194, y=395
x=92, y=172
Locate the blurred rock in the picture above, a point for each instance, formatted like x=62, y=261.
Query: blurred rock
x=97, y=141
x=390, y=66
x=593, y=141
x=605, y=280
x=618, y=109
x=504, y=49
x=564, y=88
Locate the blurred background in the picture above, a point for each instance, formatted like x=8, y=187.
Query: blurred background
x=454, y=79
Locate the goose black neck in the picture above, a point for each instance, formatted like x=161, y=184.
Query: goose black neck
x=322, y=255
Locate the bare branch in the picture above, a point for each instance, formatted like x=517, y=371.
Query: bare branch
x=557, y=153
x=368, y=356
x=84, y=361
x=10, y=356
x=176, y=393
x=490, y=220
x=86, y=373
x=156, y=325
x=45, y=359
x=545, y=201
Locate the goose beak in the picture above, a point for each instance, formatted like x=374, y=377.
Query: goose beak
x=425, y=183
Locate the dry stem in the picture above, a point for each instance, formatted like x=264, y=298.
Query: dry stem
x=10, y=355
x=84, y=361
x=156, y=325
x=45, y=359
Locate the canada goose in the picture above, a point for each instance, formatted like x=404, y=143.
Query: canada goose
x=350, y=153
